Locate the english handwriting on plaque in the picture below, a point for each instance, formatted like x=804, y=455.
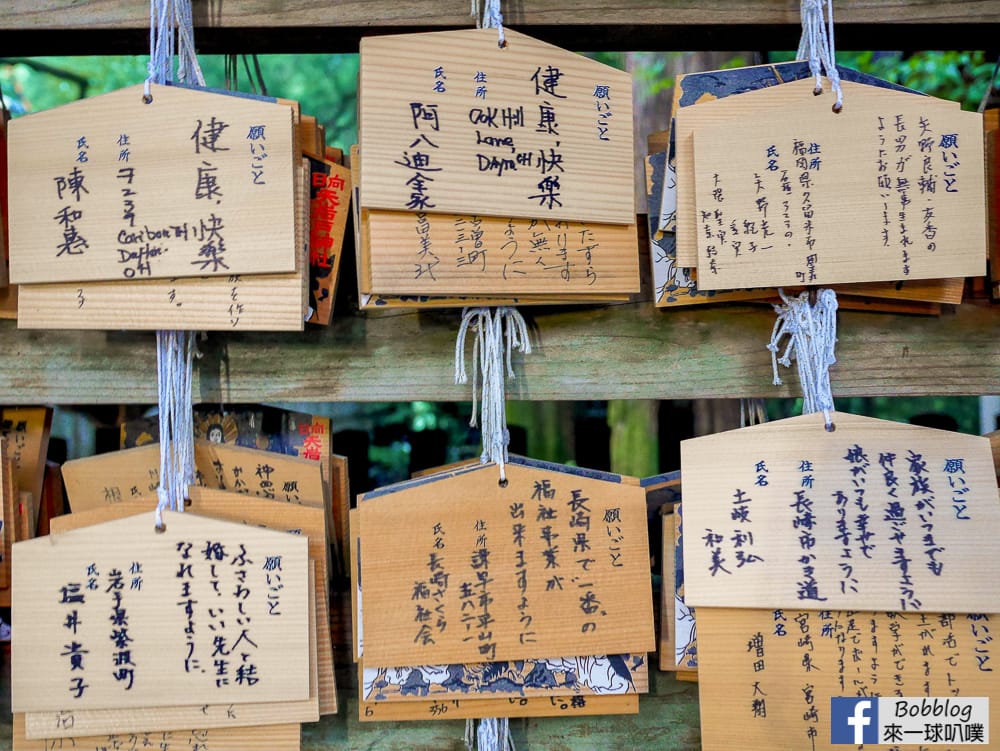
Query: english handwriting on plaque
x=458, y=118
x=116, y=189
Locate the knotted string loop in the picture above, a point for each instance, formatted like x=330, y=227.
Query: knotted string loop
x=812, y=339
x=498, y=333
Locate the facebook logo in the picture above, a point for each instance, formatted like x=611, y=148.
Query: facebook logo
x=853, y=720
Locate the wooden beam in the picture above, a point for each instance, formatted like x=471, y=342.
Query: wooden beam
x=105, y=26
x=629, y=351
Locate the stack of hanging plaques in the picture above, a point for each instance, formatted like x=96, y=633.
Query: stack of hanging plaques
x=479, y=598
x=491, y=175
x=843, y=563
x=183, y=209
x=883, y=199
x=200, y=629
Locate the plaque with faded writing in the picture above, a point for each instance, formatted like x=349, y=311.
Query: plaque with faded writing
x=458, y=568
x=450, y=122
x=284, y=737
x=130, y=474
x=192, y=183
x=874, y=514
x=766, y=677
x=891, y=188
x=426, y=253
x=523, y=706
x=123, y=616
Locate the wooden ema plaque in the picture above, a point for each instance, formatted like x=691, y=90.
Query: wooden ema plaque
x=450, y=122
x=766, y=677
x=286, y=737
x=330, y=204
x=123, y=616
x=875, y=514
x=194, y=183
x=890, y=188
x=27, y=432
x=131, y=474
x=457, y=569
x=309, y=522
x=74, y=722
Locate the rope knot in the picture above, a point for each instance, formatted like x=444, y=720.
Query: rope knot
x=499, y=332
x=812, y=339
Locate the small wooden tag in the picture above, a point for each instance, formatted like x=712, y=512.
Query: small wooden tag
x=890, y=188
x=192, y=183
x=451, y=123
x=875, y=514
x=123, y=616
x=458, y=568
x=330, y=202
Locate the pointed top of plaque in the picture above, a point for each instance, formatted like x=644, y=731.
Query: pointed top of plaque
x=452, y=123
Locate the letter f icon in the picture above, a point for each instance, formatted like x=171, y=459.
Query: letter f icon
x=860, y=720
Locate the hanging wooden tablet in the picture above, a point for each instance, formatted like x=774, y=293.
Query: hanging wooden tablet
x=529, y=247
x=6, y=518
x=4, y=278
x=108, y=479
x=260, y=738
x=766, y=676
x=555, y=562
x=68, y=723
x=695, y=89
x=329, y=199
x=190, y=183
x=450, y=122
x=67, y=658
x=889, y=188
x=874, y=514
x=309, y=522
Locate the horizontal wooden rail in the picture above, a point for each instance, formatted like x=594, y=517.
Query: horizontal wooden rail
x=30, y=27
x=620, y=352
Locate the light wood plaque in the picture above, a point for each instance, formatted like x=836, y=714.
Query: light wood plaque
x=74, y=656
x=449, y=122
x=192, y=183
x=875, y=514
